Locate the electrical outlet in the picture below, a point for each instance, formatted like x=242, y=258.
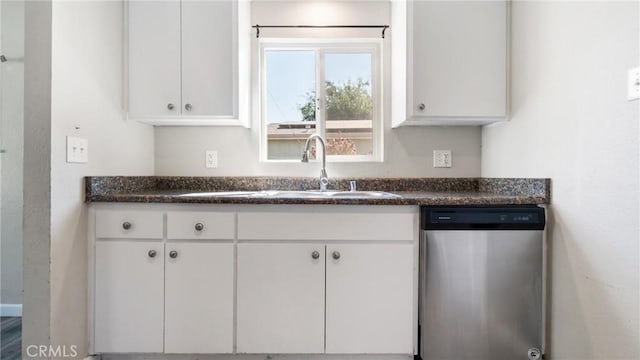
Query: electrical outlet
x=633, y=84
x=442, y=158
x=211, y=159
x=77, y=150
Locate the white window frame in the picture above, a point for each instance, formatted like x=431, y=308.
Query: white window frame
x=321, y=47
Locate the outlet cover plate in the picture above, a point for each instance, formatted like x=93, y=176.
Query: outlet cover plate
x=211, y=159
x=441, y=158
x=77, y=150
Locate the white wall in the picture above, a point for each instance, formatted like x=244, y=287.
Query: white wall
x=87, y=101
x=12, y=136
x=408, y=151
x=571, y=122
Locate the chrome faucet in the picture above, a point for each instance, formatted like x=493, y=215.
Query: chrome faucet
x=324, y=180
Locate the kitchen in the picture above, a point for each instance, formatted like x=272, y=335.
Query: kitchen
x=569, y=120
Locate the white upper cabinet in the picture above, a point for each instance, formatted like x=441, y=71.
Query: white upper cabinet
x=208, y=58
x=450, y=62
x=154, y=59
x=183, y=62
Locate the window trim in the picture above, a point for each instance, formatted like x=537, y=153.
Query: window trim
x=321, y=47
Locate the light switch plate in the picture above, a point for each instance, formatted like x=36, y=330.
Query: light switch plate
x=211, y=159
x=77, y=150
x=441, y=158
x=633, y=84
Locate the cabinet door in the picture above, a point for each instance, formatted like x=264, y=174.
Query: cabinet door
x=459, y=58
x=199, y=298
x=280, y=298
x=370, y=298
x=154, y=58
x=129, y=296
x=208, y=57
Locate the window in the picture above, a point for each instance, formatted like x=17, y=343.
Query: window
x=329, y=88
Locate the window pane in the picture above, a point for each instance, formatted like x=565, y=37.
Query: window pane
x=290, y=101
x=349, y=103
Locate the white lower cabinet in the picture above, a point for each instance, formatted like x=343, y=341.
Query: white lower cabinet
x=129, y=296
x=368, y=301
x=281, y=298
x=367, y=307
x=152, y=300
x=198, y=312
x=185, y=280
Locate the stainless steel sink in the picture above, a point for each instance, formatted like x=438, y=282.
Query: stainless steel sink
x=325, y=194
x=220, y=193
x=365, y=195
x=295, y=194
x=288, y=194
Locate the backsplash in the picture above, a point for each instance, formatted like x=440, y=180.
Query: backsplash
x=408, y=152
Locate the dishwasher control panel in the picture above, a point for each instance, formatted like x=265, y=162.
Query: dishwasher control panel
x=498, y=218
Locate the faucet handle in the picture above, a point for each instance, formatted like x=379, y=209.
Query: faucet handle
x=352, y=185
x=324, y=181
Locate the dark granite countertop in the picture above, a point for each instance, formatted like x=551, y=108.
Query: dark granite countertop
x=411, y=191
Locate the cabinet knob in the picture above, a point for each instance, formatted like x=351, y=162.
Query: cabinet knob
x=173, y=254
x=126, y=225
x=188, y=107
x=170, y=106
x=336, y=255
x=534, y=354
x=421, y=107
x=315, y=255
x=199, y=226
x=152, y=253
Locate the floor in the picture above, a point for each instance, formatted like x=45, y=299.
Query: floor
x=10, y=338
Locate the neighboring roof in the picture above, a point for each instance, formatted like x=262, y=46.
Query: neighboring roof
x=295, y=130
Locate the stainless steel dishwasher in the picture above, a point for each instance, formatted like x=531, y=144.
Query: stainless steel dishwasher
x=482, y=283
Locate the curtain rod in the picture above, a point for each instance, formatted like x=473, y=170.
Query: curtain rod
x=383, y=27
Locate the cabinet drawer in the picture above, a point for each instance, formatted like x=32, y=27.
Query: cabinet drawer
x=200, y=225
x=129, y=224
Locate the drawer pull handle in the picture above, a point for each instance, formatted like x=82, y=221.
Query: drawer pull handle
x=315, y=255
x=336, y=255
x=126, y=225
x=173, y=254
x=199, y=226
x=152, y=253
